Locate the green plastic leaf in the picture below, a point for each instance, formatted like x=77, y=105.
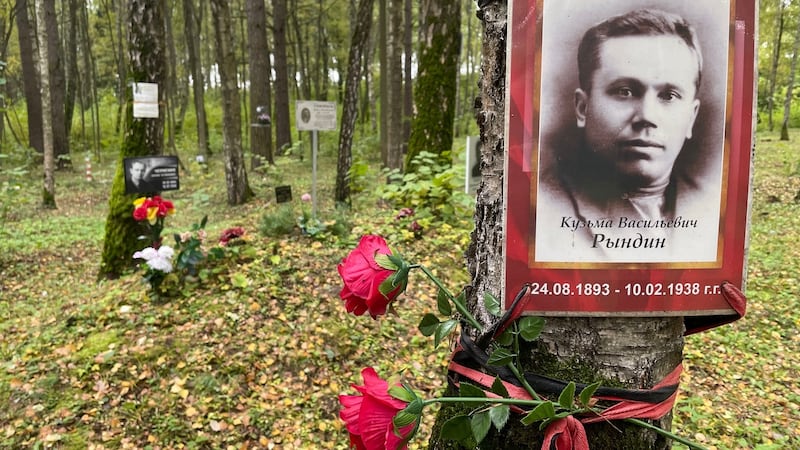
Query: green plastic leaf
x=567, y=397
x=443, y=302
x=492, y=304
x=588, y=392
x=387, y=286
x=544, y=411
x=500, y=357
x=470, y=390
x=385, y=262
x=402, y=394
x=428, y=324
x=499, y=415
x=499, y=388
x=530, y=327
x=506, y=338
x=456, y=429
x=404, y=418
x=480, y=423
x=443, y=330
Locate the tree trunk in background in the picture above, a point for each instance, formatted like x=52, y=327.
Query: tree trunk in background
x=408, y=82
x=170, y=80
x=280, y=119
x=358, y=44
x=91, y=78
x=30, y=77
x=383, y=82
x=773, y=73
x=143, y=136
x=49, y=191
x=435, y=92
x=191, y=27
x=258, y=51
x=629, y=352
x=119, y=49
x=235, y=174
x=57, y=87
x=394, y=99
x=787, y=103
x=72, y=73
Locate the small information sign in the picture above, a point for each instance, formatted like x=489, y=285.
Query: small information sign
x=315, y=115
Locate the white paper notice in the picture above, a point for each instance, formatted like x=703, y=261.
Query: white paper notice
x=145, y=100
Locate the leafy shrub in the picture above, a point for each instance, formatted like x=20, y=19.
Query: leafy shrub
x=429, y=187
x=278, y=223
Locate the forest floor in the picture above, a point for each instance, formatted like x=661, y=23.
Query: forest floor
x=255, y=355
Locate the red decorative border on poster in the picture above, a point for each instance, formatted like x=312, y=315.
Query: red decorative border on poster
x=572, y=271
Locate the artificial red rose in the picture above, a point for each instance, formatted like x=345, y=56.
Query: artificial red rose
x=230, y=233
x=368, y=417
x=362, y=277
x=140, y=213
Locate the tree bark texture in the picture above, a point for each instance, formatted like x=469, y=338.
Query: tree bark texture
x=620, y=352
x=191, y=28
x=358, y=44
x=260, y=95
x=787, y=103
x=30, y=77
x=394, y=98
x=235, y=174
x=57, y=86
x=143, y=136
x=435, y=92
x=49, y=191
x=280, y=120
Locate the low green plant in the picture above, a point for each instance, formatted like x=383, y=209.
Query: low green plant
x=429, y=186
x=279, y=222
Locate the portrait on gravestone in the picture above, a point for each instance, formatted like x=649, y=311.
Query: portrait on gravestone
x=632, y=101
x=151, y=174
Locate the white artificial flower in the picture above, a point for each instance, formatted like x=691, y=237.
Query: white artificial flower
x=157, y=259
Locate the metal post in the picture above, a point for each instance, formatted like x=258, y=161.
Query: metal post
x=314, y=145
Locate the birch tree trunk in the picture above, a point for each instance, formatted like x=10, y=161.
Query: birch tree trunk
x=142, y=136
x=358, y=44
x=49, y=191
x=620, y=352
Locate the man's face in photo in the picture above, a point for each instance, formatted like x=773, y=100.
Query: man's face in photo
x=641, y=106
x=137, y=172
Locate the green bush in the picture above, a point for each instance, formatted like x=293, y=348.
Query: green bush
x=279, y=222
x=429, y=187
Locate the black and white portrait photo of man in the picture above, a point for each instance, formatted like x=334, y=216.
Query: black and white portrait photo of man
x=630, y=160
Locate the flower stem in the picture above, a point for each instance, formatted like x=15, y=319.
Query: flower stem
x=499, y=400
x=524, y=382
x=666, y=433
x=459, y=306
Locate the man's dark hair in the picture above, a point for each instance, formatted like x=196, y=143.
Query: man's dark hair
x=641, y=22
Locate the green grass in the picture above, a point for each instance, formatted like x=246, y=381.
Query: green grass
x=257, y=352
